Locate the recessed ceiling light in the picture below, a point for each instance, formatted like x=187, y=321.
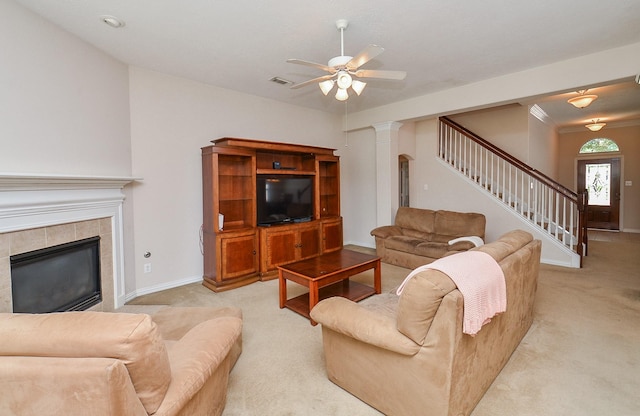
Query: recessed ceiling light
x=112, y=21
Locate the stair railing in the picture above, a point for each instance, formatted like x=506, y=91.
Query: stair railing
x=533, y=195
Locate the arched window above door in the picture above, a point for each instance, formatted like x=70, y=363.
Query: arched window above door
x=599, y=145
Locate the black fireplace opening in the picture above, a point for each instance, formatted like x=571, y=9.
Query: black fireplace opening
x=57, y=279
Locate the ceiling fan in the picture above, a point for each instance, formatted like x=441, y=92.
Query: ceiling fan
x=343, y=69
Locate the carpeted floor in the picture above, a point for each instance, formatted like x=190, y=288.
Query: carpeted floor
x=581, y=356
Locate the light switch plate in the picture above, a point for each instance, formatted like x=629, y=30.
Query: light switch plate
x=628, y=183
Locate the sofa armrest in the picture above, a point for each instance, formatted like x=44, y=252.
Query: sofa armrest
x=197, y=356
x=35, y=386
x=386, y=231
x=348, y=318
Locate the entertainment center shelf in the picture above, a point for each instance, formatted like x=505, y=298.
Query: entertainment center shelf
x=285, y=172
x=245, y=183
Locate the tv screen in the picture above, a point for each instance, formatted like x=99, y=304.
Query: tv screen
x=282, y=199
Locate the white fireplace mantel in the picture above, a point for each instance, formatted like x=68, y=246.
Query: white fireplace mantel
x=18, y=181
x=30, y=201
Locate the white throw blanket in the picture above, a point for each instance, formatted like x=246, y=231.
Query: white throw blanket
x=477, y=241
x=480, y=280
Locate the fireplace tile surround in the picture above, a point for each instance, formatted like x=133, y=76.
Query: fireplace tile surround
x=39, y=211
x=24, y=241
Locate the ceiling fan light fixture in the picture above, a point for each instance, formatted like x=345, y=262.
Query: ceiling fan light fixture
x=342, y=94
x=358, y=86
x=582, y=100
x=343, y=68
x=326, y=86
x=344, y=80
x=596, y=125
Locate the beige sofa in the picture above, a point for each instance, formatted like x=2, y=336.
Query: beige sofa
x=420, y=236
x=96, y=363
x=407, y=354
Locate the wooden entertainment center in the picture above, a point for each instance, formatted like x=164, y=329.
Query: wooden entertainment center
x=237, y=251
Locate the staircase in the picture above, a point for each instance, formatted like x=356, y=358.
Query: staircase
x=528, y=193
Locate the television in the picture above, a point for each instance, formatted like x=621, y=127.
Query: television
x=283, y=199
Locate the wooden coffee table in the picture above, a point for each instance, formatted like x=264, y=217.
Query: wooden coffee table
x=328, y=275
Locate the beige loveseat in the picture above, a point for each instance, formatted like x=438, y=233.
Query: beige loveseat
x=407, y=354
x=96, y=363
x=420, y=236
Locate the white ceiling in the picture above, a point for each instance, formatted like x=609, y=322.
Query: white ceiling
x=242, y=44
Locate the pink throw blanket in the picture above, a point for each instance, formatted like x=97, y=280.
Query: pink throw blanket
x=481, y=282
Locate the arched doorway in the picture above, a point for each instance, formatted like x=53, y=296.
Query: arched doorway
x=403, y=164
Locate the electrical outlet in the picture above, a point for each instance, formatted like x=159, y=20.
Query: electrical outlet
x=147, y=267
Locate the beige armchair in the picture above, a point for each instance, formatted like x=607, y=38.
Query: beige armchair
x=408, y=355
x=97, y=363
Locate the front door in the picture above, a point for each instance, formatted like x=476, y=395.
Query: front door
x=601, y=179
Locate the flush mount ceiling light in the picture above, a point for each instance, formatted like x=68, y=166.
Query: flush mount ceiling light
x=582, y=100
x=596, y=125
x=112, y=21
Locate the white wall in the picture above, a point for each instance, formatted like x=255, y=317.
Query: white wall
x=171, y=120
x=543, y=147
x=64, y=105
x=506, y=127
x=358, y=187
x=513, y=129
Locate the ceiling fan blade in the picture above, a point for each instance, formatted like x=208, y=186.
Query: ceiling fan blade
x=312, y=64
x=364, y=56
x=311, y=81
x=374, y=73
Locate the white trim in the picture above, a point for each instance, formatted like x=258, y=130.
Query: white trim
x=34, y=201
x=163, y=286
x=540, y=114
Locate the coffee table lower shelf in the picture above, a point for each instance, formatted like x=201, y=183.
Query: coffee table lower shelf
x=347, y=289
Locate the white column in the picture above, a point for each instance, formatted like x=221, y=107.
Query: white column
x=387, y=186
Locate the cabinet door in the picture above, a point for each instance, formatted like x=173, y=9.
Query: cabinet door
x=279, y=248
x=239, y=256
x=309, y=242
x=331, y=235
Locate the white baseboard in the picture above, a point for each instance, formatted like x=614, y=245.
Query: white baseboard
x=163, y=286
x=354, y=243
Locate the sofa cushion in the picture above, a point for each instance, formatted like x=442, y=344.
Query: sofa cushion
x=419, y=302
x=408, y=232
x=402, y=243
x=416, y=219
x=131, y=338
x=433, y=250
x=449, y=224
